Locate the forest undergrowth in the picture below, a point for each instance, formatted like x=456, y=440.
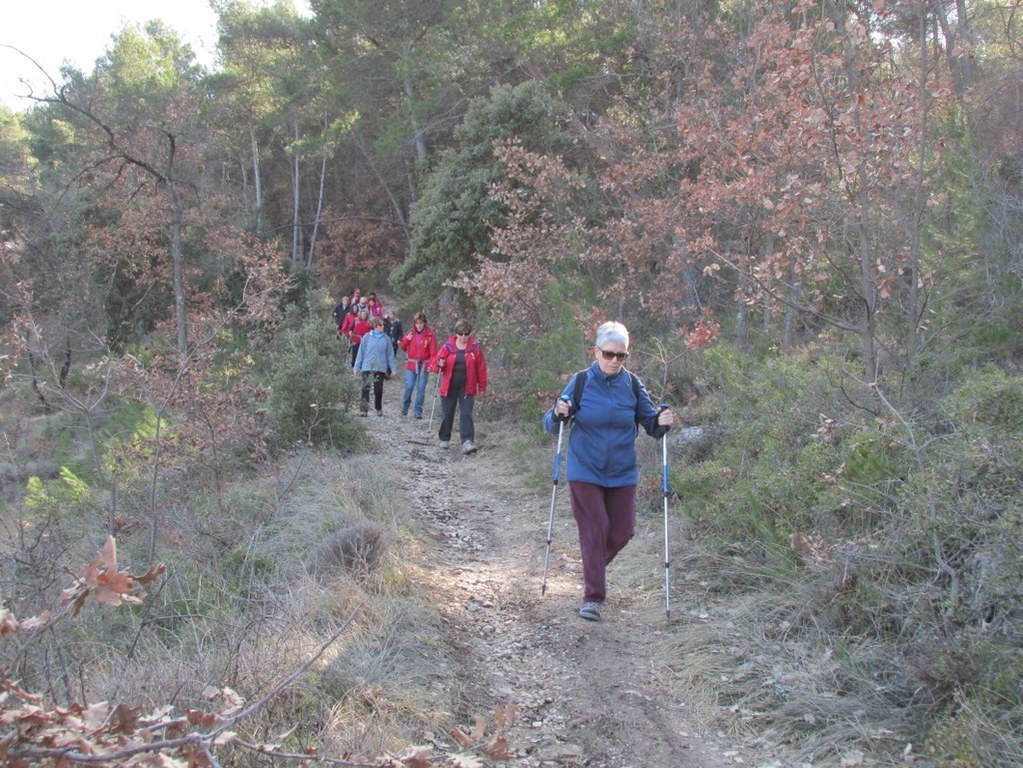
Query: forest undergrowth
x=844, y=591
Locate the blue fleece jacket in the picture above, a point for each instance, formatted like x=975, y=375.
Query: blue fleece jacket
x=376, y=353
x=602, y=443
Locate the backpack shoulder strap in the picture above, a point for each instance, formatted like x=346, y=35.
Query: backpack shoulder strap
x=635, y=384
x=635, y=392
x=577, y=391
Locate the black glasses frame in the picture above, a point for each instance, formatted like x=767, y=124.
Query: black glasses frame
x=607, y=354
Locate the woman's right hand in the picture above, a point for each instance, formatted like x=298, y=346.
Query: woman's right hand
x=562, y=409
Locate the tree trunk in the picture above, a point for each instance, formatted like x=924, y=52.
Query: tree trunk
x=742, y=326
x=177, y=261
x=868, y=294
x=913, y=308
x=296, y=221
x=257, y=179
x=399, y=214
x=311, y=253
x=417, y=132
x=768, y=300
x=791, y=311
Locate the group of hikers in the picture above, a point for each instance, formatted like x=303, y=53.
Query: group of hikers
x=374, y=337
x=606, y=403
x=354, y=317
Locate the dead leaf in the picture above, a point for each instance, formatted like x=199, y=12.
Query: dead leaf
x=96, y=715
x=151, y=574
x=34, y=622
x=497, y=749
x=480, y=729
x=124, y=719
x=461, y=737
x=108, y=555
x=505, y=716
x=416, y=757
x=8, y=623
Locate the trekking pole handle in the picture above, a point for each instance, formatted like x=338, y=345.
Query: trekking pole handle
x=664, y=450
x=563, y=417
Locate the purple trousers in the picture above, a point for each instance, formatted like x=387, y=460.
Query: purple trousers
x=606, y=518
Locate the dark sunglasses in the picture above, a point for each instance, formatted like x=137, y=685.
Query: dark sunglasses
x=609, y=355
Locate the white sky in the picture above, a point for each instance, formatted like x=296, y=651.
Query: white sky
x=80, y=31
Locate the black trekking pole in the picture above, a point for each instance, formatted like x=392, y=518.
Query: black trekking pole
x=667, y=490
x=554, y=493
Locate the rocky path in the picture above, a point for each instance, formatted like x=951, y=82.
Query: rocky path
x=598, y=695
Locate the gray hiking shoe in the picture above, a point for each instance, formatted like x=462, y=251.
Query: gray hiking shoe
x=590, y=611
x=468, y=447
x=445, y=444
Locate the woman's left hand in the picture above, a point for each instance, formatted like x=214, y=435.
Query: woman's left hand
x=665, y=418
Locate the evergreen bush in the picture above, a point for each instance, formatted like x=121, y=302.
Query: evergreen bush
x=313, y=390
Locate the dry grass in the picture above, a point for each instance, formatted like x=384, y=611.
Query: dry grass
x=760, y=664
x=259, y=577
x=355, y=549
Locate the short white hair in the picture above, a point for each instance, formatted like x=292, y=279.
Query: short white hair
x=614, y=332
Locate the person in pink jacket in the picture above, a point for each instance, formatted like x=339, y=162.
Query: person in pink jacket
x=463, y=370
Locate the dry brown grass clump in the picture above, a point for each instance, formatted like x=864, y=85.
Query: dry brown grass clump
x=356, y=549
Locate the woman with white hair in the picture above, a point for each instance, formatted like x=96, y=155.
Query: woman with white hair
x=601, y=465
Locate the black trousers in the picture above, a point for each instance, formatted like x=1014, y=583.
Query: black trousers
x=374, y=379
x=457, y=398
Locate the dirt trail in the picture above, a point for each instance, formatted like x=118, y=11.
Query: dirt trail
x=590, y=694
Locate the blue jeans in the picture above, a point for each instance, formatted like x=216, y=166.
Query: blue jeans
x=415, y=380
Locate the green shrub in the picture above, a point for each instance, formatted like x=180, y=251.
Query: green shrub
x=983, y=724
x=312, y=387
x=534, y=369
x=990, y=398
x=772, y=463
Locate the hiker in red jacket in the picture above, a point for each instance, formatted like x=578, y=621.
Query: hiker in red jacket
x=420, y=345
x=348, y=323
x=376, y=309
x=463, y=371
x=359, y=329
